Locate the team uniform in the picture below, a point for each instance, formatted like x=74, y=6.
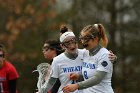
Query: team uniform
x=98, y=62
x=62, y=66
x=7, y=72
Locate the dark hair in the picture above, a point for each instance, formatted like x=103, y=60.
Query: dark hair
x=2, y=48
x=63, y=29
x=54, y=44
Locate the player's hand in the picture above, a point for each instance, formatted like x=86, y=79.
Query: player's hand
x=74, y=76
x=112, y=56
x=70, y=88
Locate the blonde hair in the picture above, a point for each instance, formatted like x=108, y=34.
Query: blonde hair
x=97, y=30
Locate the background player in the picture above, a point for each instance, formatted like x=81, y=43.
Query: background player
x=8, y=74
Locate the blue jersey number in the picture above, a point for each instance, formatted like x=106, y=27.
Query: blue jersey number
x=85, y=75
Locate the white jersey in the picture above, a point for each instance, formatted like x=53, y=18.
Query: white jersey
x=98, y=62
x=62, y=66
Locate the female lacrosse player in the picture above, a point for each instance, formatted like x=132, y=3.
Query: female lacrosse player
x=51, y=49
x=66, y=63
x=97, y=68
x=8, y=74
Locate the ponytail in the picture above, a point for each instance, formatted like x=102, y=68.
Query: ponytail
x=102, y=35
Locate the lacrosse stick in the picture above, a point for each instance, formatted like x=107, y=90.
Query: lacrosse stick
x=44, y=73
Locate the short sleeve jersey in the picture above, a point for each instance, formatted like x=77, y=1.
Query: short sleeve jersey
x=7, y=72
x=62, y=66
x=98, y=62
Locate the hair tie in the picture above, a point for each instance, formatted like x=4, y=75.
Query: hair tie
x=96, y=25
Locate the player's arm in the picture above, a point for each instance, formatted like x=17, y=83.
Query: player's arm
x=104, y=67
x=76, y=76
x=56, y=86
x=12, y=85
x=52, y=78
x=48, y=85
x=112, y=57
x=94, y=80
x=13, y=77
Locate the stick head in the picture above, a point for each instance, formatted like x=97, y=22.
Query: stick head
x=44, y=70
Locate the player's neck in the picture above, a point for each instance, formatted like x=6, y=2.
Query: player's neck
x=94, y=50
x=71, y=56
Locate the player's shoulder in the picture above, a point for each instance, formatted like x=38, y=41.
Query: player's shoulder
x=59, y=57
x=7, y=63
x=103, y=51
x=82, y=50
x=102, y=54
x=9, y=66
